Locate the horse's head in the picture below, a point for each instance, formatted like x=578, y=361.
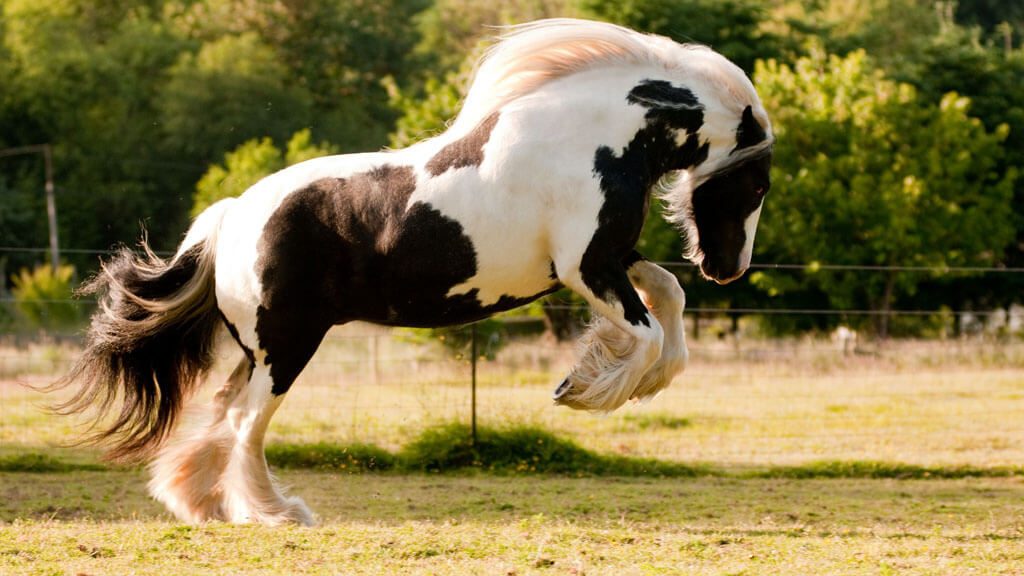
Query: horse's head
x=725, y=207
x=693, y=119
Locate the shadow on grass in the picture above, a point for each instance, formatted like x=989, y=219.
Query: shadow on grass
x=513, y=450
x=870, y=469
x=519, y=450
x=36, y=462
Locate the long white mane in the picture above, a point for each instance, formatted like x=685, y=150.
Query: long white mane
x=530, y=55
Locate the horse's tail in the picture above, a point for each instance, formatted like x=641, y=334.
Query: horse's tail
x=151, y=340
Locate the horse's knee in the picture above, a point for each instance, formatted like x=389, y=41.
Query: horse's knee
x=659, y=289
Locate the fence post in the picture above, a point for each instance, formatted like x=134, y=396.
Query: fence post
x=472, y=364
x=375, y=358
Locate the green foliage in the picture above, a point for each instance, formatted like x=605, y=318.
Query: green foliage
x=452, y=30
x=44, y=297
x=866, y=172
x=732, y=27
x=428, y=114
x=233, y=89
x=83, y=78
x=997, y=100
x=888, y=29
x=247, y=164
x=997, y=18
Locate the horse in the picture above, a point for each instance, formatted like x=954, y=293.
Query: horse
x=542, y=181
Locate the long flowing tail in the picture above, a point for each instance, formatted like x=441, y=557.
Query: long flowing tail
x=150, y=343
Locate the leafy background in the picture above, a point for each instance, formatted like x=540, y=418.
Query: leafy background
x=900, y=124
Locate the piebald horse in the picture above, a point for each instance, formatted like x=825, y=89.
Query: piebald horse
x=542, y=181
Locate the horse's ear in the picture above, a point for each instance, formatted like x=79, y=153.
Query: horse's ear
x=749, y=132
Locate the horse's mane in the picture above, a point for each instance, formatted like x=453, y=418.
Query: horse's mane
x=530, y=55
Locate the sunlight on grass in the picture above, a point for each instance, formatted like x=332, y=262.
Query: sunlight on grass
x=755, y=403
x=103, y=523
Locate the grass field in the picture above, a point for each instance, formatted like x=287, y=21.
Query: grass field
x=893, y=428
x=102, y=523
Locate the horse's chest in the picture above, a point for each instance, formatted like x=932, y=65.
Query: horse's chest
x=453, y=283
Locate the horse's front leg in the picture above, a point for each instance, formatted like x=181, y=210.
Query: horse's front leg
x=660, y=291
x=619, y=348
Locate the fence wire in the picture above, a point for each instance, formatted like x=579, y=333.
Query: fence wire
x=744, y=400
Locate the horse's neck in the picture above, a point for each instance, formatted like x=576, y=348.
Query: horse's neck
x=554, y=132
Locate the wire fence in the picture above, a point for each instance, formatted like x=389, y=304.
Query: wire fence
x=744, y=400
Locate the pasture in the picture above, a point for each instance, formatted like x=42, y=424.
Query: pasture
x=903, y=458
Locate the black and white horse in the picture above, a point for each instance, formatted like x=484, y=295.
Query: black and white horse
x=542, y=181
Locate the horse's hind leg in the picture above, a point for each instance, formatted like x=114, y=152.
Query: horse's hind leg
x=218, y=470
x=250, y=492
x=288, y=339
x=187, y=472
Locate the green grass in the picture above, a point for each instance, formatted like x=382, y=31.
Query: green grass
x=869, y=469
x=35, y=462
x=526, y=450
x=757, y=404
x=101, y=523
x=771, y=458
x=324, y=456
x=523, y=449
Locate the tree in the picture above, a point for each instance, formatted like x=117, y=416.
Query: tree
x=82, y=76
x=337, y=52
x=731, y=27
x=235, y=88
x=991, y=78
x=999, y=19
x=452, y=30
x=867, y=172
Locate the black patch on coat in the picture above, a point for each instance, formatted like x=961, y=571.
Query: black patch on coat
x=721, y=206
x=749, y=132
x=466, y=151
x=675, y=106
x=344, y=249
x=626, y=180
x=632, y=258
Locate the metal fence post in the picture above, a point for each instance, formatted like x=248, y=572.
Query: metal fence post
x=472, y=364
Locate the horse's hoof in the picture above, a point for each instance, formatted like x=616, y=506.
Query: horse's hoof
x=562, y=390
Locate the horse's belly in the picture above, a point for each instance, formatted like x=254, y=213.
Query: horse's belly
x=406, y=302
